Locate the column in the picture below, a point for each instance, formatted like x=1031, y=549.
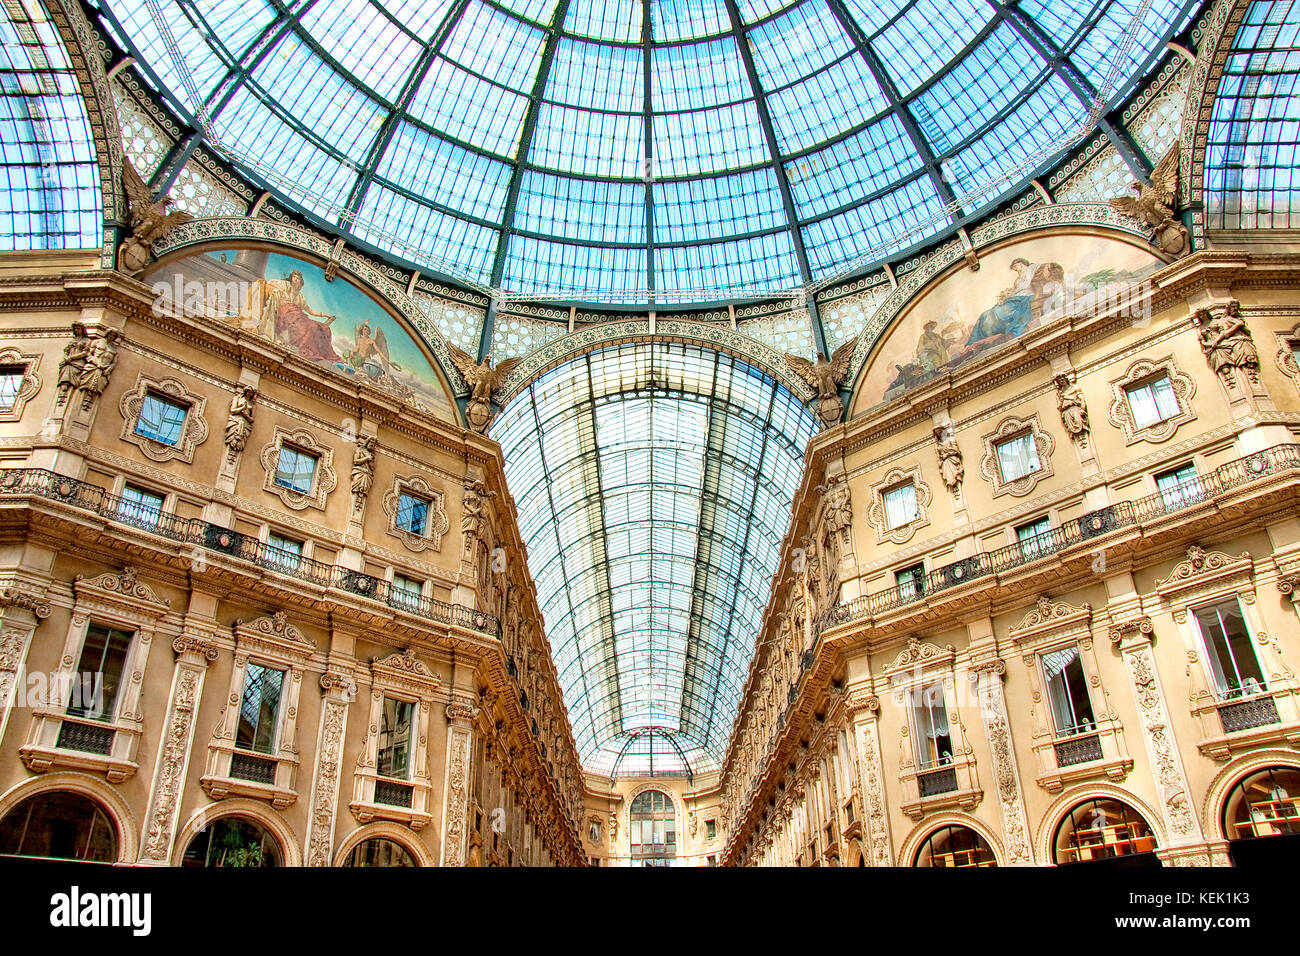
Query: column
x=23, y=611
x=461, y=714
x=339, y=691
x=193, y=655
x=863, y=709
x=1133, y=638
x=988, y=676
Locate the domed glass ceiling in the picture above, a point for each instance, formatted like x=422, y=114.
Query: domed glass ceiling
x=643, y=150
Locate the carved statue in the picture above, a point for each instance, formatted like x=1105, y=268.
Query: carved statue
x=950, y=462
x=483, y=379
x=73, y=363
x=240, y=423
x=837, y=511
x=363, y=468
x=613, y=824
x=149, y=220
x=100, y=361
x=471, y=519
x=1154, y=205
x=1074, y=413
x=1227, y=343
x=826, y=377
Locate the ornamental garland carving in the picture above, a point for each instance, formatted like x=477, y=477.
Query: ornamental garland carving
x=1120, y=413
x=194, y=430
x=205, y=650
x=1175, y=800
x=171, y=766
x=918, y=652
x=1047, y=612
x=437, y=521
x=326, y=789
x=872, y=774
x=1014, y=822
x=275, y=626
x=125, y=584
x=1287, y=345
x=455, y=849
x=1198, y=562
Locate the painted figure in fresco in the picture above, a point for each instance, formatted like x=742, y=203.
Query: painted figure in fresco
x=1020, y=304
x=286, y=316
x=371, y=351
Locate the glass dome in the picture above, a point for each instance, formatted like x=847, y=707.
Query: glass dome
x=640, y=151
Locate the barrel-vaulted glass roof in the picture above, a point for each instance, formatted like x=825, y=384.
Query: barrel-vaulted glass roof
x=600, y=150
x=653, y=482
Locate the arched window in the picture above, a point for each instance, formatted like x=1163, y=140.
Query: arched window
x=60, y=825
x=380, y=852
x=233, y=841
x=1264, y=804
x=1103, y=830
x=955, y=846
x=653, y=829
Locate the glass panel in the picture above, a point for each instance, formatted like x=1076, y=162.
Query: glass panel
x=1035, y=538
x=955, y=846
x=412, y=513
x=1101, y=829
x=930, y=724
x=1153, y=402
x=233, y=842
x=259, y=708
x=59, y=825
x=283, y=552
x=1179, y=487
x=406, y=592
x=1264, y=804
x=911, y=582
x=161, y=419
x=103, y=655
x=295, y=469
x=1230, y=651
x=900, y=506
x=11, y=383
x=394, y=755
x=1067, y=690
x=1018, y=457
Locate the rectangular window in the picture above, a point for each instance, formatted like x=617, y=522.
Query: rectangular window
x=259, y=708
x=910, y=582
x=1067, y=692
x=405, y=592
x=412, y=513
x=1179, y=487
x=139, y=507
x=103, y=657
x=1018, y=457
x=1035, y=538
x=394, y=756
x=900, y=506
x=161, y=419
x=930, y=724
x=11, y=383
x=1229, y=649
x=295, y=469
x=711, y=829
x=283, y=553
x=1152, y=402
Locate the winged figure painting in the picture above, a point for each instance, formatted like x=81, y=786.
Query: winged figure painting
x=483, y=379
x=826, y=377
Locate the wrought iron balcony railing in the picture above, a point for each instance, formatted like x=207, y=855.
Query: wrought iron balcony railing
x=1188, y=494
x=40, y=483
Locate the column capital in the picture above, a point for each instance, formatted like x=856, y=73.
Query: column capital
x=1128, y=633
x=193, y=650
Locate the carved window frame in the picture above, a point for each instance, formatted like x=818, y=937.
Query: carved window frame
x=1287, y=342
x=117, y=600
x=1120, y=413
x=897, y=477
x=916, y=666
x=31, y=380
x=323, y=481
x=438, y=523
x=194, y=430
x=1210, y=577
x=1007, y=429
x=1050, y=626
x=271, y=642
x=401, y=676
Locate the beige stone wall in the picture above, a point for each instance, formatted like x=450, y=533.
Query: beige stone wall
x=495, y=776
x=1122, y=597
x=695, y=804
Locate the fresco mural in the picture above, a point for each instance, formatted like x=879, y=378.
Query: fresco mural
x=285, y=299
x=1017, y=287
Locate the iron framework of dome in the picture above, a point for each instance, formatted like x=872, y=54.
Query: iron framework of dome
x=644, y=151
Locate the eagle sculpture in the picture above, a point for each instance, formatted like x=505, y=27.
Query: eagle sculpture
x=826, y=377
x=1154, y=205
x=483, y=379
